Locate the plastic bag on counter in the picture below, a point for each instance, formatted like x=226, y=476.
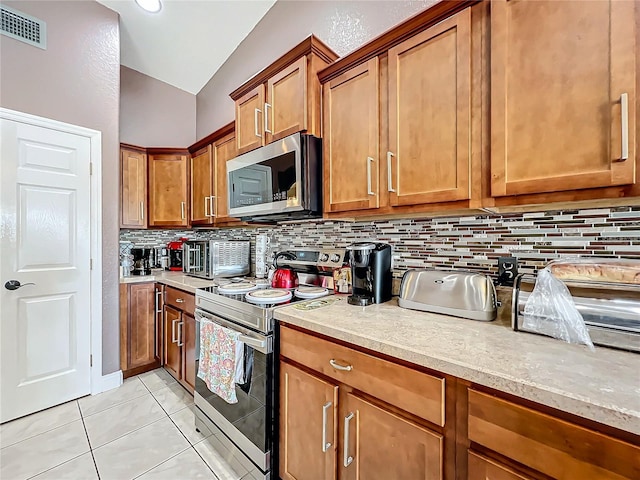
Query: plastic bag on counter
x=550, y=311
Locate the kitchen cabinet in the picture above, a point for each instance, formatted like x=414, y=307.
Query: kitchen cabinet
x=224, y=149
x=482, y=468
x=168, y=189
x=159, y=324
x=202, y=176
x=179, y=336
x=563, y=96
x=339, y=404
x=138, y=324
x=282, y=99
x=308, y=425
x=133, y=187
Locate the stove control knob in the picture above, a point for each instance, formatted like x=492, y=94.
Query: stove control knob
x=324, y=257
x=335, y=258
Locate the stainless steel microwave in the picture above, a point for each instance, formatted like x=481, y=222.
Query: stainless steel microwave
x=280, y=181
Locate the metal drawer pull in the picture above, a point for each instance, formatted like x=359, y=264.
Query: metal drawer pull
x=255, y=121
x=141, y=210
x=325, y=409
x=206, y=201
x=369, y=162
x=158, y=301
x=182, y=209
x=180, y=325
x=337, y=366
x=213, y=204
x=347, y=459
x=266, y=118
x=624, y=123
x=389, y=176
x=179, y=300
x=173, y=331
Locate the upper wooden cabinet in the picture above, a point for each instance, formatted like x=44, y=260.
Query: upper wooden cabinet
x=168, y=187
x=224, y=149
x=282, y=99
x=202, y=176
x=563, y=95
x=351, y=133
x=133, y=188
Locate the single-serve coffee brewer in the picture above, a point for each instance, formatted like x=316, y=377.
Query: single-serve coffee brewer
x=141, y=265
x=370, y=273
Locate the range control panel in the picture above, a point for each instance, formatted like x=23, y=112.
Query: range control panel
x=323, y=259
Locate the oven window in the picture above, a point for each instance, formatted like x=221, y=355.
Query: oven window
x=272, y=180
x=252, y=415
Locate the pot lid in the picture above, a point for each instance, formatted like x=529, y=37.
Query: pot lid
x=237, y=288
x=269, y=296
x=311, y=292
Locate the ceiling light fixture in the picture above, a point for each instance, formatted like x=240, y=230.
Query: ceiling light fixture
x=151, y=6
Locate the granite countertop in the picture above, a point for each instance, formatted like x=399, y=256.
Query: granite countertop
x=173, y=279
x=603, y=385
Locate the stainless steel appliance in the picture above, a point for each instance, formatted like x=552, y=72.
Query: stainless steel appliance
x=460, y=294
x=141, y=263
x=249, y=427
x=370, y=273
x=611, y=311
x=216, y=258
x=282, y=180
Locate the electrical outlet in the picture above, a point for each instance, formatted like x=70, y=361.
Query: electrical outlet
x=507, y=270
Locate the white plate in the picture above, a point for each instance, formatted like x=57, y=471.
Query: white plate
x=237, y=288
x=311, y=292
x=269, y=296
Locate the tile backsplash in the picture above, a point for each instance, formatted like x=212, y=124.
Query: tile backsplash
x=469, y=243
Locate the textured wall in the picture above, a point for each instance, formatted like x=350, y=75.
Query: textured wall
x=76, y=80
x=342, y=25
x=469, y=243
x=154, y=113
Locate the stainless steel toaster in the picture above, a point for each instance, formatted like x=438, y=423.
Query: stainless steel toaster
x=460, y=294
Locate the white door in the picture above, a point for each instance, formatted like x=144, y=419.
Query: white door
x=45, y=325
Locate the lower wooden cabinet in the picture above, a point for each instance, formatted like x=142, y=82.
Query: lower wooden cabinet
x=172, y=351
x=308, y=425
x=180, y=337
x=138, y=348
x=189, y=350
x=481, y=468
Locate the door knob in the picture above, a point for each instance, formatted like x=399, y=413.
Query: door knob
x=15, y=284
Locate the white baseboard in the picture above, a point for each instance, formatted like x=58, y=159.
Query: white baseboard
x=108, y=382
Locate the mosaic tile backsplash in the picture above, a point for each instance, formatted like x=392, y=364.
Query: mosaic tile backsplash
x=468, y=243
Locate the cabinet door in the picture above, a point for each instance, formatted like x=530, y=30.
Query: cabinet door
x=202, y=176
x=172, y=350
x=286, y=108
x=351, y=116
x=429, y=115
x=159, y=337
x=560, y=74
x=224, y=150
x=188, y=341
x=168, y=190
x=133, y=189
x=481, y=468
x=378, y=444
x=308, y=425
x=141, y=324
x=249, y=120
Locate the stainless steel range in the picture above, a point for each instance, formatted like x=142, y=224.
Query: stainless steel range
x=249, y=427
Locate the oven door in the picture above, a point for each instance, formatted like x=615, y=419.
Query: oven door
x=266, y=180
x=250, y=422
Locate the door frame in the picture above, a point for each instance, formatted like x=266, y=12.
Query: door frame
x=99, y=383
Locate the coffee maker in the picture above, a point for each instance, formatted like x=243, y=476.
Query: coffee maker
x=370, y=273
x=141, y=265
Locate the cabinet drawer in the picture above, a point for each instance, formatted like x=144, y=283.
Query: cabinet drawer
x=410, y=390
x=181, y=300
x=552, y=446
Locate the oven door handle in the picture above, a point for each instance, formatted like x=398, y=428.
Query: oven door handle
x=252, y=342
x=263, y=344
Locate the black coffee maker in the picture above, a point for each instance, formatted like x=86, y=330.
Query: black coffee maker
x=370, y=273
x=141, y=265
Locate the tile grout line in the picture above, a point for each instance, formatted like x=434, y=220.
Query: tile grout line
x=95, y=465
x=165, y=461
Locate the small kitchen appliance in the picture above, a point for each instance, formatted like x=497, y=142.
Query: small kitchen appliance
x=216, y=258
x=262, y=245
x=141, y=265
x=370, y=273
x=460, y=294
x=284, y=277
x=175, y=254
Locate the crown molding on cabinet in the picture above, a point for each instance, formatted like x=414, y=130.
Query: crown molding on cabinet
x=212, y=137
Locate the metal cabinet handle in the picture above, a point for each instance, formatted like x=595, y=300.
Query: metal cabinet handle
x=266, y=118
x=158, y=301
x=141, y=210
x=180, y=325
x=173, y=331
x=389, y=175
x=206, y=204
x=179, y=300
x=347, y=459
x=337, y=366
x=624, y=124
x=325, y=443
x=213, y=204
x=255, y=122
x=182, y=209
x=369, y=162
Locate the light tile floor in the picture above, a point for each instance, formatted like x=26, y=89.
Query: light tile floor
x=143, y=429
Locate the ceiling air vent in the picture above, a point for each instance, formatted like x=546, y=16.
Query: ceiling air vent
x=23, y=27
